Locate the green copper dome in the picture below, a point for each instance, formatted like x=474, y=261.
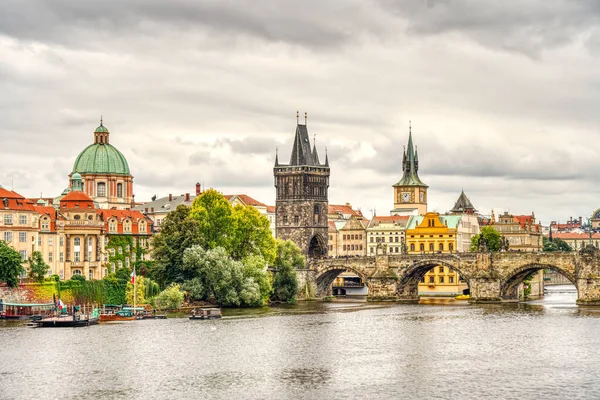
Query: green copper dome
x=101, y=159
x=101, y=129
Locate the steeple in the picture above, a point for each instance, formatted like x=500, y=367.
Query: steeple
x=463, y=205
x=301, y=151
x=410, y=165
x=314, y=151
x=276, y=156
x=326, y=158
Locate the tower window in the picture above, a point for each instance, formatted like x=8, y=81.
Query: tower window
x=101, y=189
x=296, y=219
x=285, y=220
x=119, y=190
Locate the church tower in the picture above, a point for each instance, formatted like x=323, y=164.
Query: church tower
x=302, y=200
x=410, y=193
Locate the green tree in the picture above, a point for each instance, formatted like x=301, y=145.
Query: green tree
x=38, y=267
x=491, y=235
x=171, y=298
x=229, y=281
x=251, y=234
x=178, y=232
x=285, y=284
x=140, y=291
x=11, y=265
x=213, y=213
x=255, y=267
x=555, y=245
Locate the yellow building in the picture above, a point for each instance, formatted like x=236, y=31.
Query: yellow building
x=432, y=233
x=410, y=193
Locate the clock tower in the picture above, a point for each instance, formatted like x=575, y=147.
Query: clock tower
x=410, y=193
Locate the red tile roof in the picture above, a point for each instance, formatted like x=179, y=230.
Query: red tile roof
x=271, y=209
x=345, y=209
x=14, y=201
x=574, y=235
x=78, y=200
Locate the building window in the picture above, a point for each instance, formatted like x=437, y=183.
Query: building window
x=119, y=190
x=45, y=224
x=422, y=247
x=91, y=274
x=431, y=279
x=8, y=219
x=105, y=271
x=372, y=250
x=450, y=279
x=22, y=237
x=127, y=264
x=50, y=241
x=296, y=220
x=101, y=189
x=431, y=247
x=120, y=250
x=23, y=254
x=50, y=258
x=112, y=226
x=441, y=279
x=441, y=269
x=112, y=267
x=112, y=252
x=441, y=247
x=450, y=247
x=61, y=256
x=412, y=247
x=40, y=241
x=285, y=220
x=76, y=256
x=120, y=264
x=23, y=219
x=76, y=272
x=61, y=241
x=142, y=227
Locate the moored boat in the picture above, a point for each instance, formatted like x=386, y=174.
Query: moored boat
x=16, y=311
x=206, y=313
x=117, y=315
x=151, y=314
x=68, y=321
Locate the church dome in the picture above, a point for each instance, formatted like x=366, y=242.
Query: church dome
x=101, y=157
x=596, y=214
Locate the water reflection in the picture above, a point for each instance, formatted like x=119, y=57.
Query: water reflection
x=439, y=349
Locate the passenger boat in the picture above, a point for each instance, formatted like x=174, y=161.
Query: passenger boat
x=68, y=321
x=15, y=311
x=206, y=313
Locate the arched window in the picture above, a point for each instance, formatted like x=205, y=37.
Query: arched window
x=76, y=272
x=91, y=274
x=441, y=247
x=119, y=190
x=431, y=247
x=101, y=189
x=77, y=241
x=422, y=247
x=142, y=226
x=412, y=247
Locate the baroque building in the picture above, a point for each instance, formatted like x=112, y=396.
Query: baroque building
x=410, y=193
x=105, y=172
x=301, y=204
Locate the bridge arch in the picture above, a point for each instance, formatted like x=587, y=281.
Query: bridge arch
x=514, y=277
x=326, y=276
x=408, y=282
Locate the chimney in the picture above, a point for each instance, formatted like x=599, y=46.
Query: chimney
x=187, y=197
x=579, y=220
x=170, y=197
x=198, y=189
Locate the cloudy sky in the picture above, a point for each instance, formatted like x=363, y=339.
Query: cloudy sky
x=503, y=96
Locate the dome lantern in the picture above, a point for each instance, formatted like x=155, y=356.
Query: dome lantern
x=101, y=134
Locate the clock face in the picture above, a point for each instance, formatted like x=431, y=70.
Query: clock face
x=405, y=197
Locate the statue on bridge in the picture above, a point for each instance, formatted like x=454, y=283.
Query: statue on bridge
x=482, y=244
x=504, y=244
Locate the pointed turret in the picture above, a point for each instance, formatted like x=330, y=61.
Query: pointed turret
x=463, y=205
x=276, y=157
x=410, y=167
x=315, y=154
x=326, y=158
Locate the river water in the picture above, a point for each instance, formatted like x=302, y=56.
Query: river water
x=442, y=349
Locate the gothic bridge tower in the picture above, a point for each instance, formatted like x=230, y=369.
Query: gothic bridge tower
x=302, y=199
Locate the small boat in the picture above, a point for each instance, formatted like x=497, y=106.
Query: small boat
x=117, y=315
x=151, y=314
x=463, y=297
x=206, y=313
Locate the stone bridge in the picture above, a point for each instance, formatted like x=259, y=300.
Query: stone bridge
x=492, y=277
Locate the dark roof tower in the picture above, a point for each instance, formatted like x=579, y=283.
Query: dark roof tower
x=410, y=165
x=463, y=205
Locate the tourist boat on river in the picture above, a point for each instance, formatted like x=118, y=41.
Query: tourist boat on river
x=68, y=320
x=16, y=311
x=206, y=313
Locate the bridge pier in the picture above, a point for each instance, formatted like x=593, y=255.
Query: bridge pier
x=589, y=291
x=382, y=289
x=485, y=290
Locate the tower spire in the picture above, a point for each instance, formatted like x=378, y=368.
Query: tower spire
x=305, y=117
x=297, y=117
x=276, y=156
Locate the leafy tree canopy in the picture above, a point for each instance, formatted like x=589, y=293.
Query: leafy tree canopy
x=251, y=234
x=555, y=245
x=289, y=258
x=170, y=298
x=213, y=213
x=11, y=265
x=38, y=267
x=491, y=235
x=179, y=231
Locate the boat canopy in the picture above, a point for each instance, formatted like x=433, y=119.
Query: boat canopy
x=27, y=304
x=133, y=309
